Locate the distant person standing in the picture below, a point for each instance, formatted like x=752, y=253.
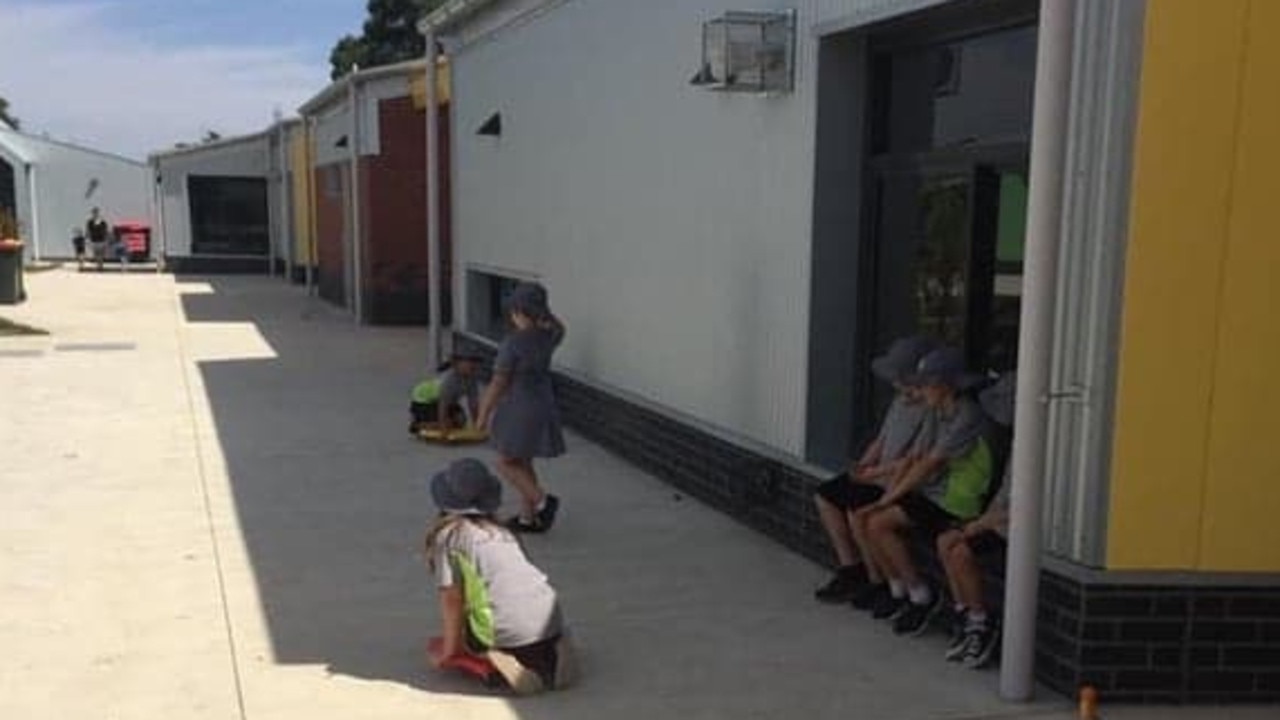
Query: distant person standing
x=77, y=243
x=98, y=231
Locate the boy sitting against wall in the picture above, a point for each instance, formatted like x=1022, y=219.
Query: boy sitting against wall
x=866, y=479
x=975, y=633
x=944, y=488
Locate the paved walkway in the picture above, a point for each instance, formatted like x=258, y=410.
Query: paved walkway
x=210, y=510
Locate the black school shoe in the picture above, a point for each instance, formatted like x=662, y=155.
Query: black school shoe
x=888, y=607
x=546, y=517
x=521, y=526
x=842, y=587
x=958, y=623
x=914, y=620
x=981, y=644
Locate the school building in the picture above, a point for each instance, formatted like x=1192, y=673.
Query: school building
x=230, y=206
x=49, y=187
x=735, y=208
x=369, y=170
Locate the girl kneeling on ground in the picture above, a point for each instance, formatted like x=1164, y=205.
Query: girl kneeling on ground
x=494, y=604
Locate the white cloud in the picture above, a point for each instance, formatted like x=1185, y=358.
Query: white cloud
x=80, y=74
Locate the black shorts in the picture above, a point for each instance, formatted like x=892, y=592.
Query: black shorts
x=78, y=244
x=987, y=542
x=927, y=517
x=849, y=494
x=430, y=413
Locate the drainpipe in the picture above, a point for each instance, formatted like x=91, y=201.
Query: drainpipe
x=434, y=175
x=159, y=234
x=33, y=192
x=357, y=236
x=309, y=142
x=286, y=220
x=1035, y=343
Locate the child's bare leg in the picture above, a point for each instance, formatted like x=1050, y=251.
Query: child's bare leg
x=963, y=573
x=836, y=525
x=946, y=545
x=519, y=472
x=858, y=523
x=884, y=529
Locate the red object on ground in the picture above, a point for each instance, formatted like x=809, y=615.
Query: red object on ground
x=472, y=665
x=136, y=236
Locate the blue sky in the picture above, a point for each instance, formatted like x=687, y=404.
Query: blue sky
x=132, y=76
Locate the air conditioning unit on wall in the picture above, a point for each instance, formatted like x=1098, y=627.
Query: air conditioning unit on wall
x=748, y=52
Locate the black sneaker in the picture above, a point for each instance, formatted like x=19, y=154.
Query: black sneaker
x=888, y=607
x=841, y=587
x=546, y=517
x=980, y=646
x=866, y=597
x=914, y=620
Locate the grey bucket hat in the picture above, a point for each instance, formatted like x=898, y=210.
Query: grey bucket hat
x=944, y=366
x=466, y=487
x=997, y=400
x=900, y=361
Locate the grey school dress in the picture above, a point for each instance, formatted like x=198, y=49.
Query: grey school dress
x=526, y=423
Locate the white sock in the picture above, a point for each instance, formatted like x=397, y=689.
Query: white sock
x=542, y=504
x=959, y=610
x=977, y=618
x=897, y=589
x=920, y=594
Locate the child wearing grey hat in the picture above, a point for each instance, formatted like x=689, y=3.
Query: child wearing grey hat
x=840, y=499
x=519, y=406
x=943, y=487
x=495, y=605
x=975, y=633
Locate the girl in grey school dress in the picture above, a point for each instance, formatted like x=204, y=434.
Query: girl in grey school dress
x=519, y=406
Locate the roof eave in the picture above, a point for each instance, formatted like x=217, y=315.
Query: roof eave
x=450, y=15
x=337, y=88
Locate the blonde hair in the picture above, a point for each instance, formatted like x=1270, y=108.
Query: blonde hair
x=439, y=530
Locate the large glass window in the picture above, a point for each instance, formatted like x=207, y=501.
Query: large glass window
x=229, y=216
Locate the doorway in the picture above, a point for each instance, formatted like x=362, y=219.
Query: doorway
x=923, y=144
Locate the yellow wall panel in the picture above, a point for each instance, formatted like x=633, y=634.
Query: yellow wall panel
x=1183, y=164
x=1242, y=482
x=300, y=166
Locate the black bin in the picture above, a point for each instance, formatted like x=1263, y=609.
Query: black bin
x=11, y=290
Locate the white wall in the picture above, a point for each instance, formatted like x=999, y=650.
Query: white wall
x=671, y=224
x=334, y=121
x=69, y=181
x=248, y=157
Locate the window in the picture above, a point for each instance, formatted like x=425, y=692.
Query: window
x=487, y=295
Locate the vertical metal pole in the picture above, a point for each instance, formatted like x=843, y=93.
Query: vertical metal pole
x=310, y=166
x=286, y=219
x=434, y=177
x=33, y=190
x=1039, y=279
x=357, y=235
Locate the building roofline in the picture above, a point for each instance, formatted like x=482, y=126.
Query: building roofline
x=215, y=145
x=335, y=89
x=63, y=144
x=451, y=14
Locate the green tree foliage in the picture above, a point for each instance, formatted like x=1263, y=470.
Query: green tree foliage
x=6, y=117
x=390, y=36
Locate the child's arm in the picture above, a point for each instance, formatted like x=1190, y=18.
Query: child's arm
x=452, y=611
x=870, y=458
x=493, y=392
x=912, y=476
x=993, y=519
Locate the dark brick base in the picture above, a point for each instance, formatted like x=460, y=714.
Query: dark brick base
x=1179, y=643
x=388, y=308
x=179, y=265
x=299, y=276
x=1134, y=643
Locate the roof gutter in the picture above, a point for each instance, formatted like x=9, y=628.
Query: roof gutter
x=450, y=15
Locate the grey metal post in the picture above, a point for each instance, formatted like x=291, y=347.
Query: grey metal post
x=1044, y=223
x=357, y=234
x=434, y=255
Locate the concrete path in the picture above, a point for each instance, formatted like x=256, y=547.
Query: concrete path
x=210, y=509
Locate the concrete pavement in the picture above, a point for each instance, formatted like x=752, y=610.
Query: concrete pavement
x=211, y=510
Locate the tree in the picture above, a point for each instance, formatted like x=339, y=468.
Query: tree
x=6, y=117
x=390, y=36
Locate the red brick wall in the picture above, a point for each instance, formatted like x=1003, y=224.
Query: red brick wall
x=394, y=187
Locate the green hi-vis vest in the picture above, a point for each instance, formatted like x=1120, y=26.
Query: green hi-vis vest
x=426, y=392
x=476, y=598
x=968, y=480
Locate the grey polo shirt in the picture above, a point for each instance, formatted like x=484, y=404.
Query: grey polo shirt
x=454, y=389
x=513, y=597
x=902, y=423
